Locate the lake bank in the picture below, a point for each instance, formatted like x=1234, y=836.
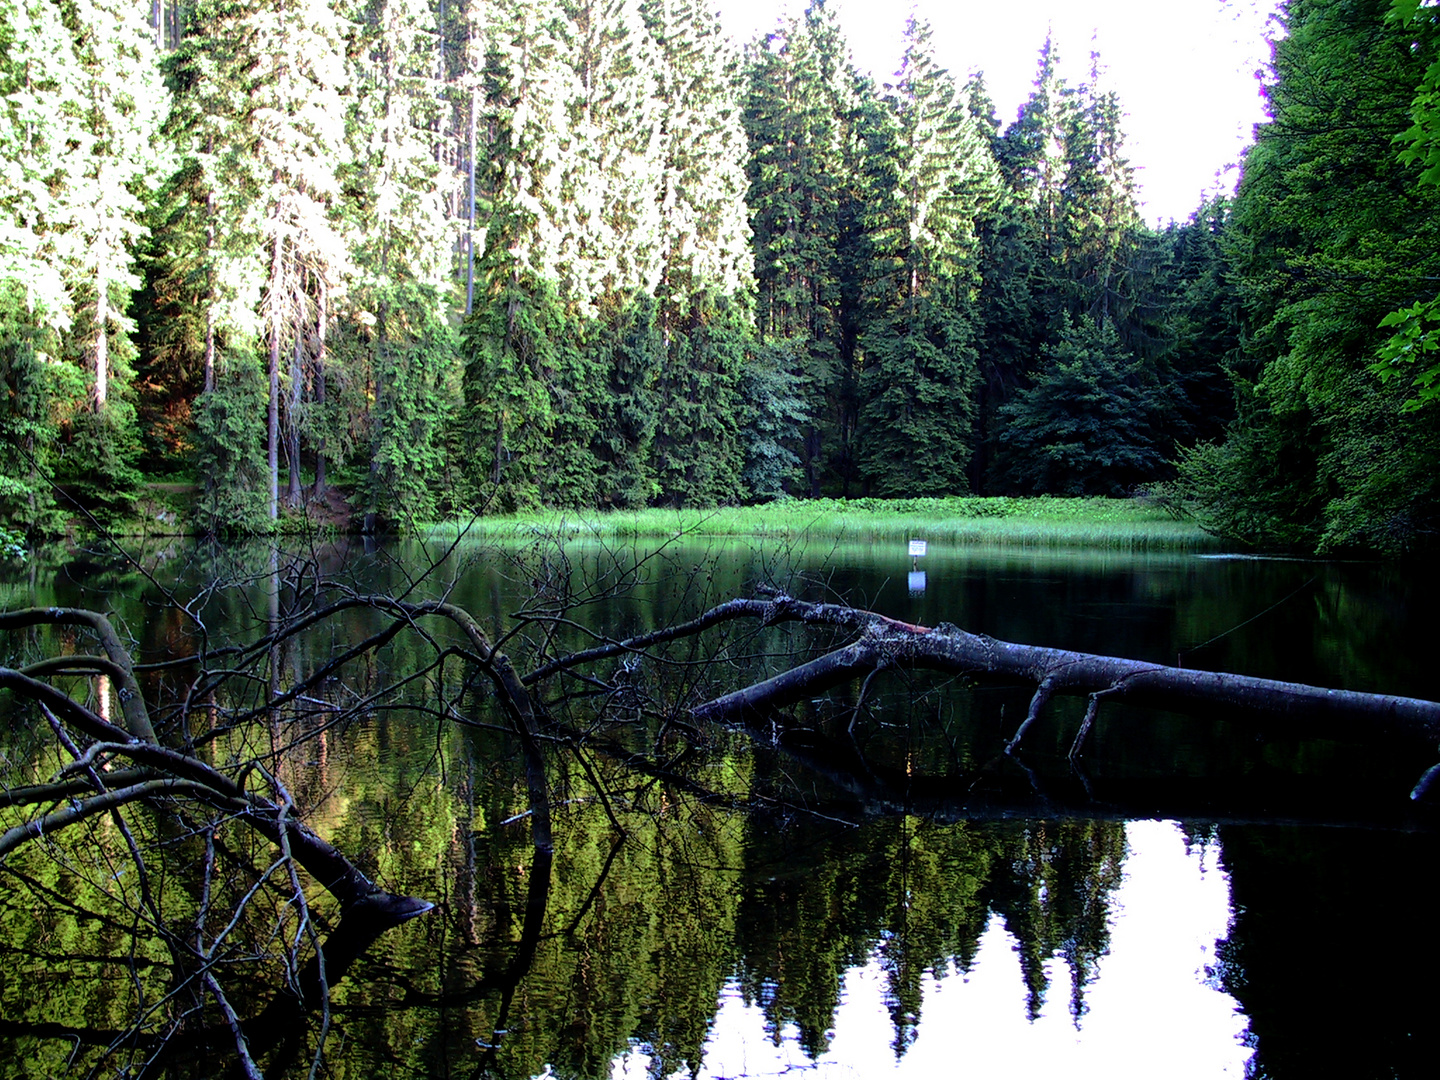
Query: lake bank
x=1041, y=521
x=1045, y=521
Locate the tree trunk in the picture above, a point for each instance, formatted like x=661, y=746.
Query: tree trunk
x=210, y=290
x=470, y=235
x=272, y=429
x=102, y=340
x=293, y=495
x=322, y=316
x=886, y=643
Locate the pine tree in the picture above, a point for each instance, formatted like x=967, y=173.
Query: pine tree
x=278, y=187
x=514, y=343
x=1032, y=154
x=121, y=161
x=39, y=104
x=80, y=147
x=402, y=249
x=1091, y=425
x=775, y=408
x=1099, y=222
x=606, y=228
x=204, y=279
x=525, y=368
x=801, y=112
x=917, y=387
x=628, y=347
x=706, y=286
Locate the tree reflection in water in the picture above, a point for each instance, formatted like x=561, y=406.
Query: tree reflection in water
x=685, y=865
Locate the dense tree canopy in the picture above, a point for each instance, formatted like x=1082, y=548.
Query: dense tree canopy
x=1332, y=230
x=492, y=256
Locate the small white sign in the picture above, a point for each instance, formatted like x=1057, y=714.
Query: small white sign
x=917, y=548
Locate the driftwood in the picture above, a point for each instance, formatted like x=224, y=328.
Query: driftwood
x=888, y=643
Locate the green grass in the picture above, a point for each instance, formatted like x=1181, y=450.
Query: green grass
x=1124, y=524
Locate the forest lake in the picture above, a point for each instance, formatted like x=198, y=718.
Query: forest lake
x=1197, y=898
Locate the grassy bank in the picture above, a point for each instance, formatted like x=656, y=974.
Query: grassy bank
x=1123, y=524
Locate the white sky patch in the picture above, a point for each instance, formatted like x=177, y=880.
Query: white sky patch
x=1153, y=1010
x=1186, y=71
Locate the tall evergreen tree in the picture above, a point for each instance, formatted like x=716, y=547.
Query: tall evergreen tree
x=1092, y=424
x=801, y=112
x=1099, y=219
x=278, y=188
x=202, y=327
x=917, y=387
x=80, y=148
x=706, y=288
x=39, y=104
x=521, y=341
x=402, y=251
x=114, y=171
x=1331, y=236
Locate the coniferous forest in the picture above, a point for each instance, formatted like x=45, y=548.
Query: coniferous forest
x=488, y=256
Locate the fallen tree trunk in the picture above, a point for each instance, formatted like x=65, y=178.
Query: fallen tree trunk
x=888, y=643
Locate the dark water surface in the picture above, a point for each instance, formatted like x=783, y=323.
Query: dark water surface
x=862, y=889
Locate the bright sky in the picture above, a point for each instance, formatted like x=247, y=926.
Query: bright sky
x=1186, y=71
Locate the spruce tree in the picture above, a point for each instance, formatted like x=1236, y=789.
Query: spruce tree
x=629, y=349
x=917, y=388
x=278, y=188
x=802, y=109
x=81, y=149
x=112, y=175
x=204, y=277
x=399, y=301
x=40, y=97
x=706, y=286
x=1092, y=424
x=525, y=368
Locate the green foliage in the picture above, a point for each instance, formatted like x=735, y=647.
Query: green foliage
x=525, y=383
x=28, y=385
x=776, y=415
x=12, y=545
x=1331, y=235
x=400, y=242
x=696, y=281
x=1044, y=522
x=917, y=420
x=99, y=466
x=628, y=350
x=230, y=454
x=1091, y=424
x=1203, y=319
x=1415, y=338
x=79, y=150
x=697, y=450
x=1416, y=328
